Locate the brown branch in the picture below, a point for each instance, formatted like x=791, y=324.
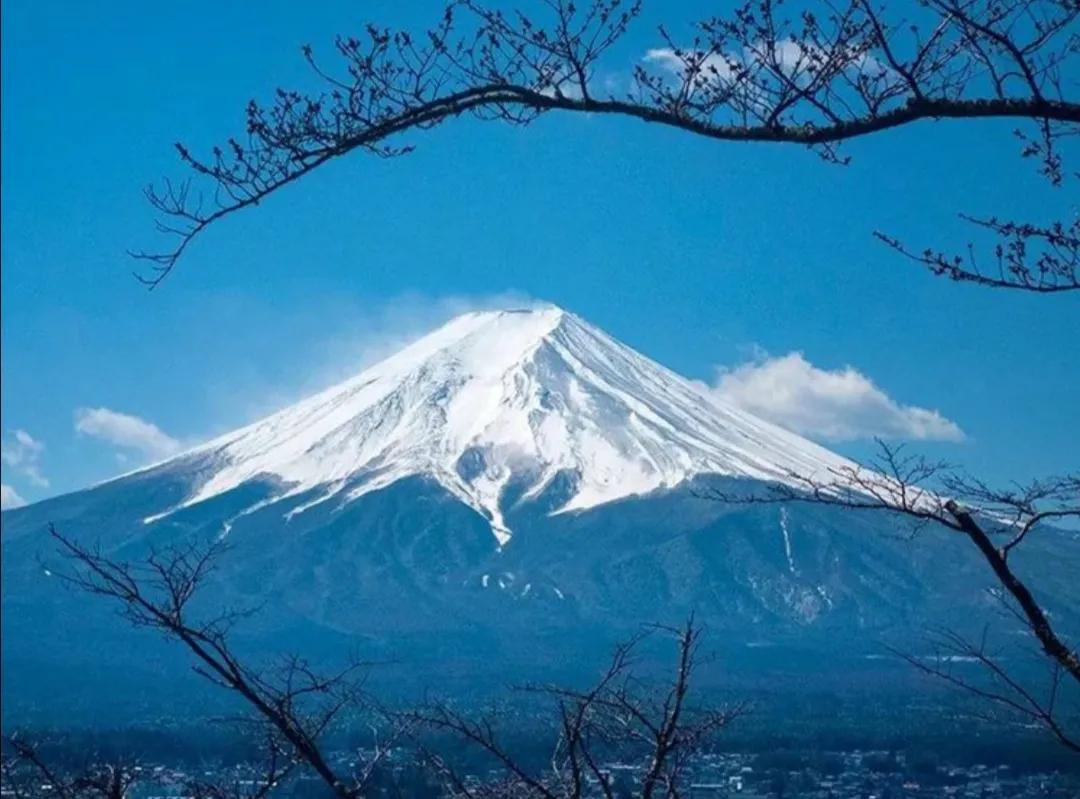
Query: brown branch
x=98, y=780
x=1039, y=259
x=1013, y=696
x=912, y=487
x=853, y=75
x=156, y=594
x=1037, y=621
x=615, y=711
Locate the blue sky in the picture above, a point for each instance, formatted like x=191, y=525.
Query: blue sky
x=702, y=255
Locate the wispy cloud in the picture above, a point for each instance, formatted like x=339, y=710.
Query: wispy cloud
x=126, y=431
x=833, y=404
x=377, y=331
x=9, y=498
x=22, y=453
x=341, y=336
x=353, y=336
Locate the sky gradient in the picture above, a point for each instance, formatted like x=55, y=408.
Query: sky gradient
x=700, y=254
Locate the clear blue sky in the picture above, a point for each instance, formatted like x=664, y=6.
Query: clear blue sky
x=692, y=251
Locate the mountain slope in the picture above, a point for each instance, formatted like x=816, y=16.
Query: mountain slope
x=362, y=518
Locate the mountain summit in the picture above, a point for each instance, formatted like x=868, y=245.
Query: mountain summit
x=501, y=398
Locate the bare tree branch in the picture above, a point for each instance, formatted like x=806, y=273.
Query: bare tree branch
x=817, y=80
x=99, y=780
x=616, y=713
x=1003, y=690
x=294, y=704
x=934, y=492
x=1043, y=259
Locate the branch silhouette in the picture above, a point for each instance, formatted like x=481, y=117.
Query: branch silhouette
x=818, y=80
x=930, y=492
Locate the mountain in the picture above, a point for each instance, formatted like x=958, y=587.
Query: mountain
x=528, y=398
x=511, y=488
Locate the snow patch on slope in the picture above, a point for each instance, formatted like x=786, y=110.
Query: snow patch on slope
x=787, y=540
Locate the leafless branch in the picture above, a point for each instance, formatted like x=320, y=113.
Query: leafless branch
x=933, y=492
x=1039, y=258
x=294, y=704
x=617, y=712
x=952, y=662
x=99, y=780
x=818, y=79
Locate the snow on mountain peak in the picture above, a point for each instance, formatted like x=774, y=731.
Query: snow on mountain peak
x=528, y=395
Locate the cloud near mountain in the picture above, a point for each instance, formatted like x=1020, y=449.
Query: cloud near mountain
x=126, y=431
x=833, y=404
x=10, y=498
x=21, y=452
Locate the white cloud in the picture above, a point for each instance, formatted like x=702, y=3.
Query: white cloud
x=790, y=56
x=22, y=452
x=126, y=431
x=712, y=65
x=9, y=498
x=838, y=404
x=566, y=87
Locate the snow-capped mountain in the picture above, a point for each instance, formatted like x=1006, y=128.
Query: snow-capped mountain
x=362, y=519
x=495, y=397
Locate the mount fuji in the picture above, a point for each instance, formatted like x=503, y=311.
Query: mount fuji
x=528, y=397
x=511, y=487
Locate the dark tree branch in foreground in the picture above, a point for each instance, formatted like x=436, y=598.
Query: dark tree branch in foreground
x=293, y=705
x=276, y=765
x=814, y=78
x=618, y=713
x=1037, y=258
x=996, y=521
x=28, y=775
x=1002, y=690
